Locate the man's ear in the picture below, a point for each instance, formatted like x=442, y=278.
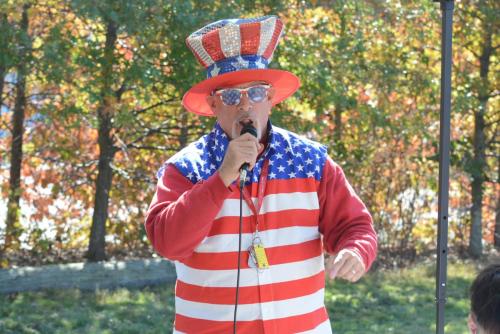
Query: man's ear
x=270, y=93
x=472, y=324
x=211, y=102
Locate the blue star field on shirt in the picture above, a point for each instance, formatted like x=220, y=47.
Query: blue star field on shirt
x=290, y=156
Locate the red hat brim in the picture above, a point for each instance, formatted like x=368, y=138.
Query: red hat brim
x=284, y=83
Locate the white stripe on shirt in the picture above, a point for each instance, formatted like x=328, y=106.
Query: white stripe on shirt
x=271, y=203
x=270, y=238
x=250, y=277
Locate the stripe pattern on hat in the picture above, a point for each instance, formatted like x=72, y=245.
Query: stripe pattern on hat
x=236, y=37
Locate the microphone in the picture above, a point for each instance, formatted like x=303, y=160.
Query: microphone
x=247, y=128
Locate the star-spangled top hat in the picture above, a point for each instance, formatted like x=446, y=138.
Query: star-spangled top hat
x=237, y=51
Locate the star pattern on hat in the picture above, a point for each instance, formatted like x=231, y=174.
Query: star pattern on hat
x=215, y=71
x=240, y=64
x=260, y=64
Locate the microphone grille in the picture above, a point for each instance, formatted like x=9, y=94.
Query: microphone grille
x=249, y=128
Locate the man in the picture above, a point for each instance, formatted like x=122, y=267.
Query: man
x=484, y=317
x=297, y=204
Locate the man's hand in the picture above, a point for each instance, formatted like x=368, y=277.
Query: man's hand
x=243, y=149
x=346, y=264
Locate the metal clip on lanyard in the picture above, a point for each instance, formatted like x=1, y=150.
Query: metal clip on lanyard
x=257, y=252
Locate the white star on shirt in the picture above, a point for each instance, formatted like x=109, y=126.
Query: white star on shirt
x=288, y=149
x=212, y=166
x=300, y=168
x=279, y=155
x=317, y=168
x=190, y=175
x=298, y=154
x=307, y=149
x=309, y=161
x=292, y=174
x=270, y=162
x=184, y=164
x=272, y=175
x=310, y=174
x=281, y=169
x=290, y=162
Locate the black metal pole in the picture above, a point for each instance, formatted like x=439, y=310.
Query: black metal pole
x=444, y=161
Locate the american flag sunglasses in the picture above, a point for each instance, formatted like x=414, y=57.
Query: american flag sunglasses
x=232, y=96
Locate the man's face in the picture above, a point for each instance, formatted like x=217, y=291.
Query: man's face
x=233, y=118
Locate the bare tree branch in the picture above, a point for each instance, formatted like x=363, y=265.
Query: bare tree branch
x=162, y=102
x=153, y=148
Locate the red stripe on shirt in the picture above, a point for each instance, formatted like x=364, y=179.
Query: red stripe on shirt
x=275, y=255
x=251, y=294
x=268, y=221
x=279, y=187
x=293, y=324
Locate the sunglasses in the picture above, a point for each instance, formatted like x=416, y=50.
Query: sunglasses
x=232, y=96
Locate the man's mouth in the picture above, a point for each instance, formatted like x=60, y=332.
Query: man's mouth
x=245, y=121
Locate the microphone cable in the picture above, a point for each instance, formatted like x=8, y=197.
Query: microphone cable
x=239, y=256
x=247, y=128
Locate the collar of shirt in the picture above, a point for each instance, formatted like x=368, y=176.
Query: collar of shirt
x=221, y=141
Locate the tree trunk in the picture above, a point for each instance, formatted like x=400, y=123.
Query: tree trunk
x=12, y=224
x=475, y=243
x=96, y=250
x=337, y=135
x=2, y=78
x=3, y=69
x=183, y=138
x=497, y=214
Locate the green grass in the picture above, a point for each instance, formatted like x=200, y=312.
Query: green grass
x=399, y=301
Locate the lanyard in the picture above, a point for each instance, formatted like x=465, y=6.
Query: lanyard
x=262, y=188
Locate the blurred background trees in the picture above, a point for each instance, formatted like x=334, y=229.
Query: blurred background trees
x=91, y=108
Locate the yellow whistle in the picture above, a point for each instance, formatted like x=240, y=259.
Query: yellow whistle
x=260, y=255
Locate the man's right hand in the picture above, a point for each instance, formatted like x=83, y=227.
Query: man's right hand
x=243, y=149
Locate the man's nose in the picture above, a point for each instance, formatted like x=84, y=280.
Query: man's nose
x=244, y=103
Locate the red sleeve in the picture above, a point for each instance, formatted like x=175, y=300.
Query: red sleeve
x=344, y=219
x=181, y=214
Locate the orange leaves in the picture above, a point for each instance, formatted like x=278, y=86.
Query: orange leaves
x=125, y=49
x=393, y=96
x=362, y=96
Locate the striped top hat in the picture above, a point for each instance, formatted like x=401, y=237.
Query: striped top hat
x=236, y=51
